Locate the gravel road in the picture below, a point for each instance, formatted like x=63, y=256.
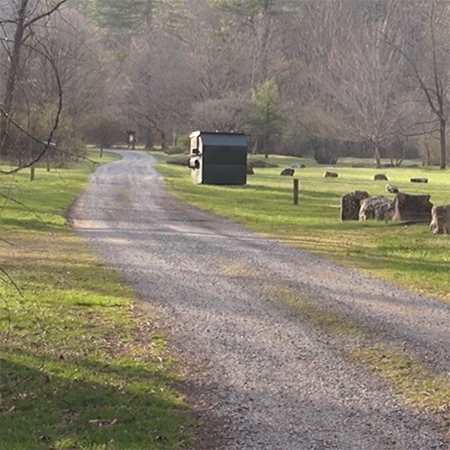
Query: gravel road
x=261, y=373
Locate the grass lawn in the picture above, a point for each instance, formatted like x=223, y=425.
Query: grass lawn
x=408, y=255
x=80, y=365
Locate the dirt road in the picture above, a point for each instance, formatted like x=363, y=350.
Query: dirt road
x=245, y=316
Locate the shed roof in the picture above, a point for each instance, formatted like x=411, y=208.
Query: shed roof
x=222, y=139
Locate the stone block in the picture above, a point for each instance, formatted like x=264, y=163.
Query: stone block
x=412, y=208
x=440, y=219
x=378, y=208
x=419, y=180
x=350, y=204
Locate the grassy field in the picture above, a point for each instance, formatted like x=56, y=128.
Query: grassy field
x=81, y=366
x=408, y=255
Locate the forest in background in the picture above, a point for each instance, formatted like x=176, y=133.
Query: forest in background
x=320, y=78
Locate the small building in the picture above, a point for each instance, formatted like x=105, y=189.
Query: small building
x=218, y=158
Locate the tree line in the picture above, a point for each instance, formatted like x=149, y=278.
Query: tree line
x=323, y=78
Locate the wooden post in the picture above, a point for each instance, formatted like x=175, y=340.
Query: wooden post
x=295, y=191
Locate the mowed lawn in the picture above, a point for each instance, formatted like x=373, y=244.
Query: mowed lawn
x=406, y=254
x=81, y=365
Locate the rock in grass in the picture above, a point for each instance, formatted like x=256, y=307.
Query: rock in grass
x=392, y=188
x=350, y=204
x=440, y=219
x=330, y=175
x=412, y=208
x=378, y=208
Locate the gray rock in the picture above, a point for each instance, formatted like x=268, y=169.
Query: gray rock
x=380, y=176
x=330, y=175
x=378, y=208
x=392, y=188
x=419, y=180
x=287, y=172
x=350, y=204
x=440, y=220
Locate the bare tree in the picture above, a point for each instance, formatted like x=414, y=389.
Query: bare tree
x=158, y=93
x=429, y=61
x=257, y=19
x=21, y=20
x=361, y=93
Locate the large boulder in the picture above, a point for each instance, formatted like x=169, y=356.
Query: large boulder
x=350, y=204
x=440, y=219
x=412, y=208
x=378, y=208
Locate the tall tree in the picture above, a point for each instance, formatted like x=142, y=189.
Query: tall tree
x=267, y=117
x=362, y=94
x=21, y=19
x=429, y=60
x=257, y=17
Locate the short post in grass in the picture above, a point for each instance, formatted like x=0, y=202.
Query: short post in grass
x=295, y=191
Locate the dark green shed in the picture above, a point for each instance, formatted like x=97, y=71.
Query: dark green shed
x=218, y=158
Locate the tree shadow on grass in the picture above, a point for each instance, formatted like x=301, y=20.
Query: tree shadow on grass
x=87, y=405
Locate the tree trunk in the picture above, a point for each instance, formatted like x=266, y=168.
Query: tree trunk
x=13, y=70
x=148, y=139
x=377, y=155
x=14, y=64
x=442, y=126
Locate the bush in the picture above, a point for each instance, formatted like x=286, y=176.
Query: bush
x=184, y=142
x=180, y=161
x=174, y=151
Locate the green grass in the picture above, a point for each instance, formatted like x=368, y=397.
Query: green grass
x=81, y=366
x=407, y=255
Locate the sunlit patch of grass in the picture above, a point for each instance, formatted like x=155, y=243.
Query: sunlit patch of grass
x=413, y=383
x=81, y=367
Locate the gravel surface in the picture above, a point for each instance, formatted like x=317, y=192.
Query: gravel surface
x=260, y=373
